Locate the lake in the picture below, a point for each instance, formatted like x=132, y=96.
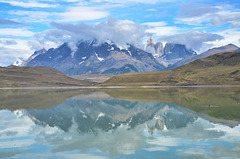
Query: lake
x=199, y=123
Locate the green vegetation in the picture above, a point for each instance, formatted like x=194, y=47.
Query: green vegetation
x=36, y=76
x=218, y=69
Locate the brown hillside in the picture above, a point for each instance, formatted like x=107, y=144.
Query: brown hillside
x=13, y=76
x=218, y=69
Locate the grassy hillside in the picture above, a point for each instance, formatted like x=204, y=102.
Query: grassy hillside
x=218, y=69
x=35, y=76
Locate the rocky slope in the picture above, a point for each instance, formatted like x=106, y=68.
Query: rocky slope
x=90, y=58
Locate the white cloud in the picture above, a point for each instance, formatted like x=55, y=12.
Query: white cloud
x=152, y=10
x=155, y=24
x=28, y=4
x=118, y=31
x=12, y=126
x=82, y=13
x=17, y=49
x=163, y=31
x=22, y=32
x=33, y=16
x=230, y=36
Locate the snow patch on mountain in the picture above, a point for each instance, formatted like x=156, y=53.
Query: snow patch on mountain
x=99, y=58
x=18, y=62
x=81, y=62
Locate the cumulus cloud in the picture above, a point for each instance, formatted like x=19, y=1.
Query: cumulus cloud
x=230, y=36
x=163, y=31
x=192, y=39
x=82, y=13
x=9, y=22
x=72, y=14
x=120, y=32
x=160, y=28
x=22, y=32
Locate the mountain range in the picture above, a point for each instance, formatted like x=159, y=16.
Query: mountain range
x=108, y=58
x=90, y=58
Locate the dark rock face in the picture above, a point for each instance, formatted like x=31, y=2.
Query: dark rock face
x=176, y=51
x=90, y=58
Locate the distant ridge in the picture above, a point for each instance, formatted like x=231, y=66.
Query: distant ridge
x=226, y=48
x=218, y=69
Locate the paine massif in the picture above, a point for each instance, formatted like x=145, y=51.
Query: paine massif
x=108, y=58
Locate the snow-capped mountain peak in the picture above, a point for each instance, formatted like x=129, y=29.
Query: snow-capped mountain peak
x=18, y=62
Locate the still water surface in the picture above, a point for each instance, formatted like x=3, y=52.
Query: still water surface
x=120, y=123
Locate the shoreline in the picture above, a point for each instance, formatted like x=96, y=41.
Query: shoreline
x=119, y=87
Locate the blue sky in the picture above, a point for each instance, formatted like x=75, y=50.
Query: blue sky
x=29, y=25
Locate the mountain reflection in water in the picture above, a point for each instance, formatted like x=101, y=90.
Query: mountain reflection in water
x=95, y=124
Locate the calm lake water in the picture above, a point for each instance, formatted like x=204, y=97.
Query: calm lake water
x=199, y=123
